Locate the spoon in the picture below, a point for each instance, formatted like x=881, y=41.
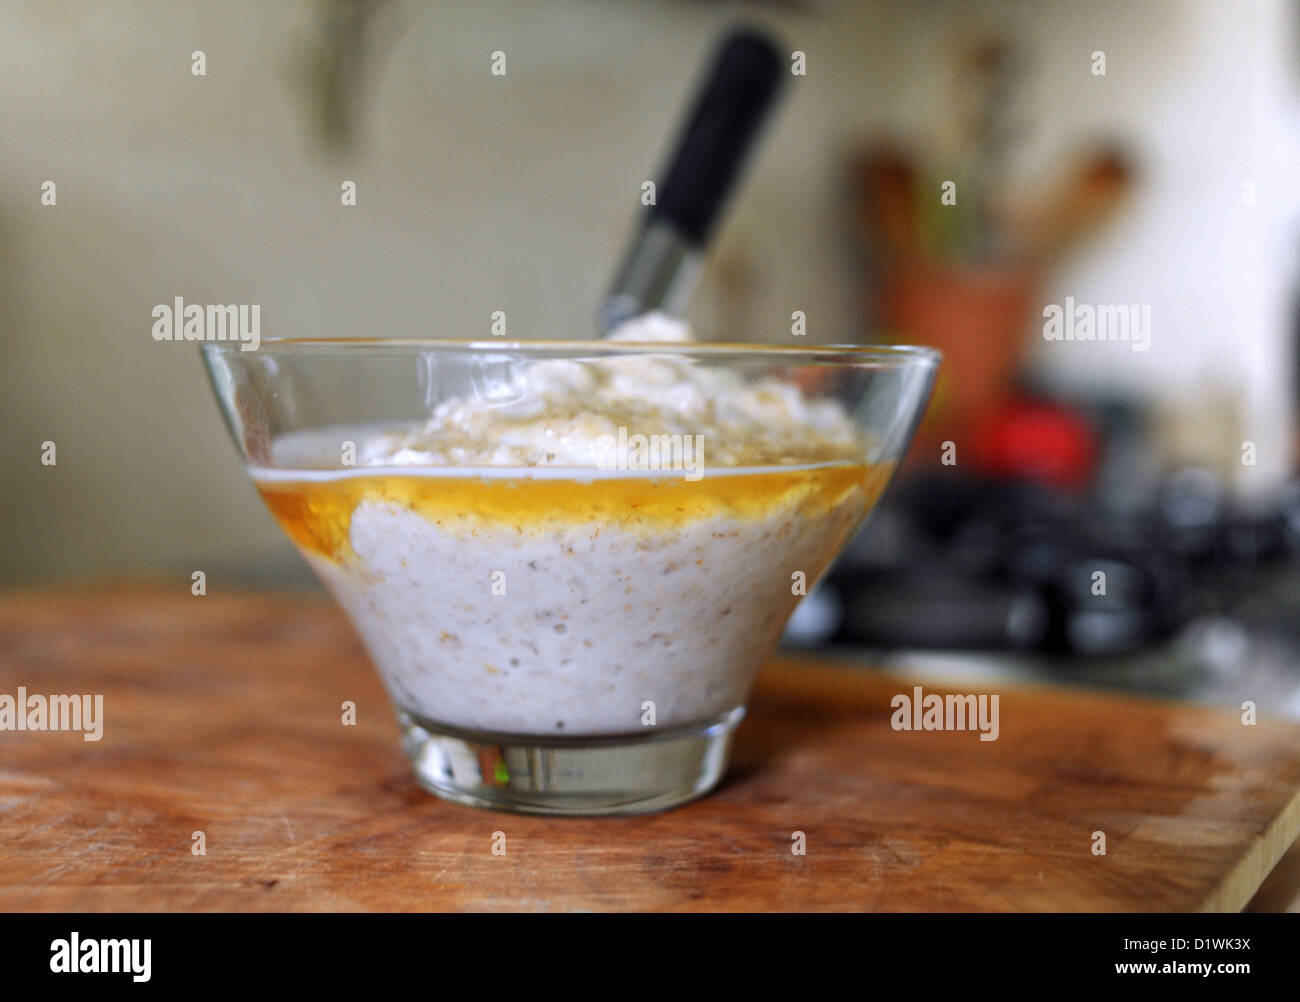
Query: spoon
x=661, y=264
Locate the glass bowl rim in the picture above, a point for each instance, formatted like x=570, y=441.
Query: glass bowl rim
x=897, y=354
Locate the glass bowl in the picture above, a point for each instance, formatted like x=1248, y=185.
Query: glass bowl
x=568, y=560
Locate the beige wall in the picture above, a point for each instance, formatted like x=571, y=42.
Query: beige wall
x=475, y=193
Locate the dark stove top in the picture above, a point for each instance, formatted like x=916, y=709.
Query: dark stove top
x=1185, y=595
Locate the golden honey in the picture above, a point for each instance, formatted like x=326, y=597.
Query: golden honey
x=317, y=513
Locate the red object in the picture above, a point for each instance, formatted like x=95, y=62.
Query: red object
x=1036, y=440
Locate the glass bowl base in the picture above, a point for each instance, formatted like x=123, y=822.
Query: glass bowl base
x=594, y=776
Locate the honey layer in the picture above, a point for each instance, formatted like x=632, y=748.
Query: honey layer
x=317, y=514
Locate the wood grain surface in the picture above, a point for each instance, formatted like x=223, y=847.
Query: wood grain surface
x=222, y=715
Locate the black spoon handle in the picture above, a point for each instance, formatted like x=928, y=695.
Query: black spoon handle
x=730, y=108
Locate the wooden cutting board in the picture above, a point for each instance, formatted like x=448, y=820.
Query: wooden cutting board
x=222, y=715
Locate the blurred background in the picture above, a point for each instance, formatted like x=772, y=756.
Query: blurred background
x=1113, y=154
